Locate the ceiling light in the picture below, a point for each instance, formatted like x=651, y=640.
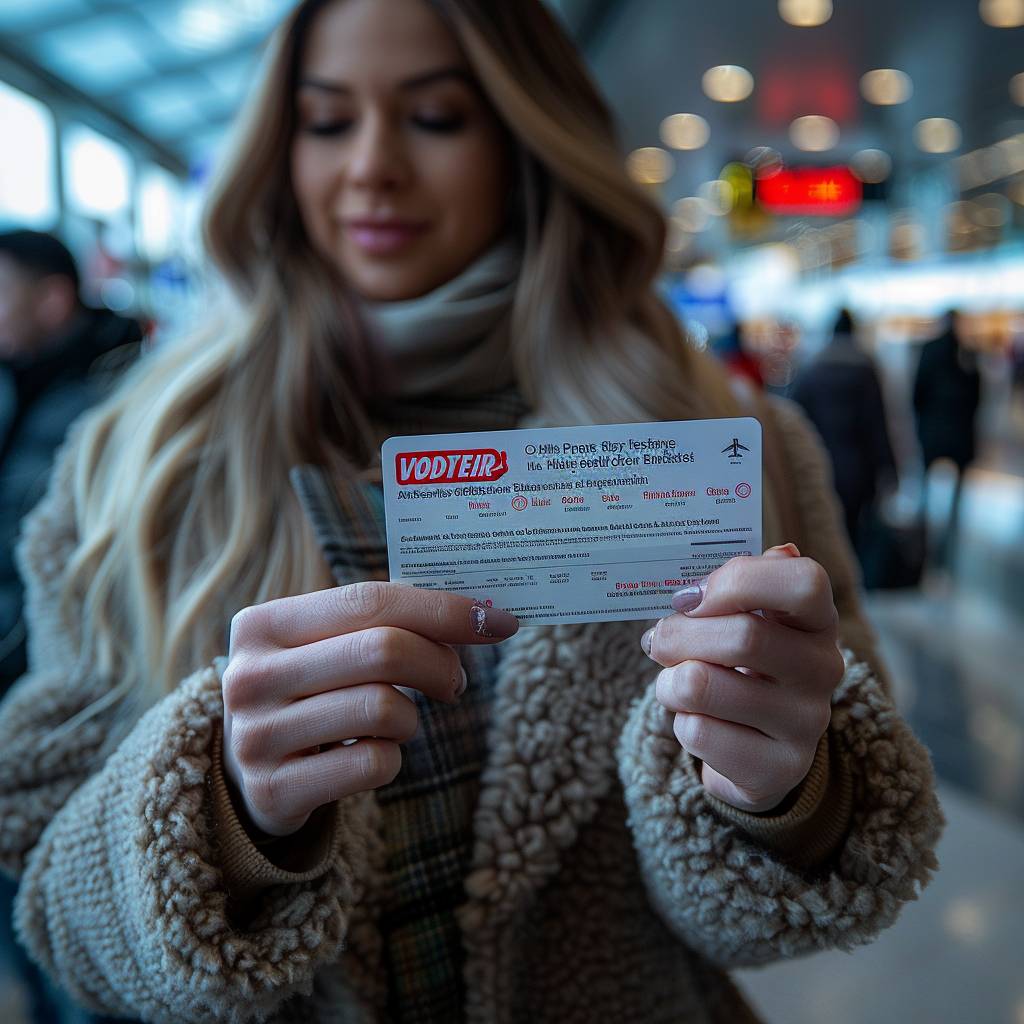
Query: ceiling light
x=685, y=131
x=650, y=165
x=814, y=133
x=1017, y=89
x=805, y=13
x=886, y=87
x=728, y=83
x=871, y=165
x=937, y=135
x=1002, y=13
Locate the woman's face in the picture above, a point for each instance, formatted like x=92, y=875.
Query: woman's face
x=400, y=168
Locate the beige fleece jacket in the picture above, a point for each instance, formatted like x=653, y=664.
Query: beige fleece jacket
x=606, y=883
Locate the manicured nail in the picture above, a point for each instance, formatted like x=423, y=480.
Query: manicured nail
x=647, y=640
x=790, y=549
x=463, y=682
x=493, y=623
x=688, y=598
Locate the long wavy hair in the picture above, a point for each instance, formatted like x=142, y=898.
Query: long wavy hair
x=185, y=513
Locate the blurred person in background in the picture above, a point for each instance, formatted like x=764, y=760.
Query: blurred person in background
x=742, y=366
x=947, y=393
x=56, y=360
x=232, y=790
x=841, y=393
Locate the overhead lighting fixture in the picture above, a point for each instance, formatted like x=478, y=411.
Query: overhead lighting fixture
x=814, y=133
x=650, y=165
x=685, y=131
x=805, y=13
x=872, y=166
x=1017, y=89
x=937, y=135
x=886, y=87
x=1002, y=13
x=728, y=83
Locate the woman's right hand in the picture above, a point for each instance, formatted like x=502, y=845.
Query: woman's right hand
x=306, y=673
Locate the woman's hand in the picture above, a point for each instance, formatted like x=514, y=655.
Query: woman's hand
x=308, y=676
x=749, y=669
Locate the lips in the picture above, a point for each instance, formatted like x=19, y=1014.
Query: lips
x=383, y=236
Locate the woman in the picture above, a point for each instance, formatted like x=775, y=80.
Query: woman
x=426, y=226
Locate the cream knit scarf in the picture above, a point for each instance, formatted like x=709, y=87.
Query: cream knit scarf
x=453, y=342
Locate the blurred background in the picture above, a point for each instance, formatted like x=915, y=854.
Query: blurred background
x=845, y=186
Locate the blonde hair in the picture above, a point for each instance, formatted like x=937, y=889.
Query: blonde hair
x=185, y=513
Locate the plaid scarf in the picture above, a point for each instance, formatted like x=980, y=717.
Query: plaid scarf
x=428, y=808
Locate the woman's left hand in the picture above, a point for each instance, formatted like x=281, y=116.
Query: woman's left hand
x=749, y=673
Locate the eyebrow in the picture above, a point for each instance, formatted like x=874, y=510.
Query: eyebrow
x=408, y=85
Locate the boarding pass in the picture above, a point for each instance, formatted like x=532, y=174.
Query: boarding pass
x=573, y=524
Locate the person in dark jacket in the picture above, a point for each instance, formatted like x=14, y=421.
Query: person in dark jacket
x=842, y=396
x=947, y=393
x=57, y=357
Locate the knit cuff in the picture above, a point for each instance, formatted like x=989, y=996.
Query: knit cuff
x=251, y=861
x=810, y=824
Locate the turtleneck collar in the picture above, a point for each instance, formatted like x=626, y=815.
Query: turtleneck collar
x=452, y=342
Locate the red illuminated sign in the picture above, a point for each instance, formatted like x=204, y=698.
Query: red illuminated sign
x=811, y=191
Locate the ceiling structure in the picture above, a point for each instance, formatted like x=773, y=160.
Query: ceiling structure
x=650, y=56
x=172, y=73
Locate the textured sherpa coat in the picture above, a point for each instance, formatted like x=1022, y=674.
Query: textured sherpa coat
x=606, y=883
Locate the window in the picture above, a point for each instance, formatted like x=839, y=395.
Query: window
x=28, y=187
x=97, y=174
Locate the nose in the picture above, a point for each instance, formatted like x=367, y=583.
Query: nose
x=377, y=159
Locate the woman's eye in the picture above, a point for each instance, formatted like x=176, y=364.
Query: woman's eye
x=328, y=128
x=439, y=124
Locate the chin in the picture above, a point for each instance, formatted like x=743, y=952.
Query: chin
x=390, y=286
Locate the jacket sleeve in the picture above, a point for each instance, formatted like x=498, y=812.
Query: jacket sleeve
x=125, y=896
x=725, y=889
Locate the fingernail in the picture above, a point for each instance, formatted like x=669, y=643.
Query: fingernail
x=688, y=598
x=463, y=683
x=493, y=622
x=788, y=549
x=647, y=640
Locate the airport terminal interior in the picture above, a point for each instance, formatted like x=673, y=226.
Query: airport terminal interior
x=811, y=157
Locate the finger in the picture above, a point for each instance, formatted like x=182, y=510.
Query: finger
x=794, y=591
x=302, y=784
x=384, y=654
x=769, y=648
x=376, y=709
x=755, y=765
x=306, y=618
x=776, y=711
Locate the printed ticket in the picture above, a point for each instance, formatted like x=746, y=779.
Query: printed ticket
x=573, y=524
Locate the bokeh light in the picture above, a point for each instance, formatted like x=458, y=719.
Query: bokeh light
x=650, y=165
x=691, y=214
x=1002, y=13
x=728, y=83
x=814, y=133
x=937, y=135
x=685, y=131
x=871, y=165
x=719, y=196
x=886, y=87
x=1017, y=89
x=805, y=13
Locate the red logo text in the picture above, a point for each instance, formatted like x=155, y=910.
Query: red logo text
x=458, y=467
